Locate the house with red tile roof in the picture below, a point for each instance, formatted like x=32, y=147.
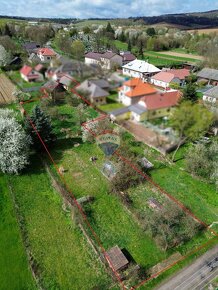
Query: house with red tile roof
x=30, y=74
x=149, y=107
x=133, y=90
x=158, y=105
x=46, y=54
x=163, y=79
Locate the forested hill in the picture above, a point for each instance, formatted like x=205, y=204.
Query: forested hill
x=192, y=20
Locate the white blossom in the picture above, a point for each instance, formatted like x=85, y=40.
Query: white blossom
x=4, y=56
x=14, y=144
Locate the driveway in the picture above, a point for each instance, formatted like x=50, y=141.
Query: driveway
x=196, y=276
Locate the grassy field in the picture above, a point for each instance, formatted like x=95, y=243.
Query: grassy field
x=64, y=259
x=169, y=57
x=84, y=179
x=195, y=194
x=112, y=103
x=198, y=196
x=59, y=248
x=90, y=23
x=183, y=55
x=120, y=45
x=157, y=61
x=205, y=31
x=111, y=221
x=13, y=259
x=184, y=50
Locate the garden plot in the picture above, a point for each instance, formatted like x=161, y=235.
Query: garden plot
x=7, y=89
x=112, y=222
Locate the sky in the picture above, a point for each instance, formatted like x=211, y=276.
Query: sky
x=102, y=8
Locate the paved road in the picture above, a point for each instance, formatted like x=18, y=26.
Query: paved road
x=196, y=276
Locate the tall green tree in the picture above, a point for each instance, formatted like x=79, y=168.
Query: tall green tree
x=109, y=28
x=189, y=93
x=78, y=51
x=190, y=121
x=151, y=31
x=122, y=36
x=41, y=122
x=202, y=159
x=150, y=43
x=129, y=45
x=141, y=54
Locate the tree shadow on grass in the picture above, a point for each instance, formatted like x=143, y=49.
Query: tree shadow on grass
x=35, y=165
x=56, y=150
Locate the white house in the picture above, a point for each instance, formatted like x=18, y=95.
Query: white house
x=140, y=69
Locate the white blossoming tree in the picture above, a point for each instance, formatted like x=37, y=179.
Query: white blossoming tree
x=4, y=56
x=14, y=143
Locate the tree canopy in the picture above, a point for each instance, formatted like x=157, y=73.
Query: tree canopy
x=43, y=126
x=202, y=159
x=190, y=121
x=14, y=143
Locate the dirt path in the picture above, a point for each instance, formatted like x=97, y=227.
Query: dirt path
x=186, y=55
x=144, y=134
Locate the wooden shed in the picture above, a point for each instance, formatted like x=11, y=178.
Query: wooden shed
x=117, y=258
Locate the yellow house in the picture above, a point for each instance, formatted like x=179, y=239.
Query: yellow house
x=149, y=107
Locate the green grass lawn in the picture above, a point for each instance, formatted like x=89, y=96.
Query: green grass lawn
x=107, y=215
x=111, y=107
x=175, y=58
x=70, y=118
x=200, y=197
x=64, y=258
x=59, y=247
x=184, y=50
x=14, y=273
x=120, y=45
x=161, y=61
x=112, y=103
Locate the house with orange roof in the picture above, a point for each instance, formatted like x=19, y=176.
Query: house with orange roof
x=133, y=90
x=163, y=79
